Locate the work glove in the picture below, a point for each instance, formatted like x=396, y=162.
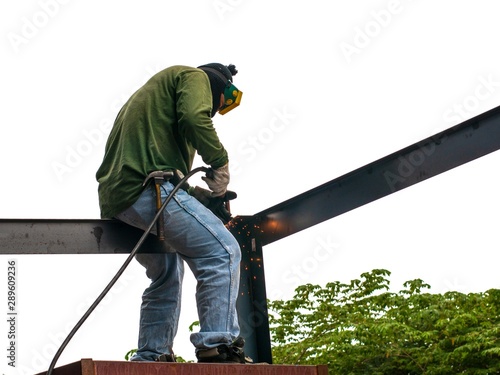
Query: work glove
x=214, y=204
x=217, y=180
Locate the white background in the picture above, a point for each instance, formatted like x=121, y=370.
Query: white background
x=329, y=86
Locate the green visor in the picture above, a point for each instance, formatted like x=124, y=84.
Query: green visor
x=232, y=98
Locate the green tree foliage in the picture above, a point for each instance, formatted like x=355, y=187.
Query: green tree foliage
x=362, y=328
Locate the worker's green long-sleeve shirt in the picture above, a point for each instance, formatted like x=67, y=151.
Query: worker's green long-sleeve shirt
x=161, y=127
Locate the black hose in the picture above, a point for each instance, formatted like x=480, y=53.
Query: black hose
x=122, y=269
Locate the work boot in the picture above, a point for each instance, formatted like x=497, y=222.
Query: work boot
x=232, y=353
x=166, y=358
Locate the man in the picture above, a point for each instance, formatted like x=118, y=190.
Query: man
x=160, y=128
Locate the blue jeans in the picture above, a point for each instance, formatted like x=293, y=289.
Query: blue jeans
x=201, y=240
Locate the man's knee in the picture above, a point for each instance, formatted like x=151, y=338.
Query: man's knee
x=155, y=265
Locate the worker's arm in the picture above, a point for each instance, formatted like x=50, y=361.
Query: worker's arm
x=194, y=104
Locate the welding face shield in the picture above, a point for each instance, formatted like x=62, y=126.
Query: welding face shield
x=221, y=82
x=232, y=98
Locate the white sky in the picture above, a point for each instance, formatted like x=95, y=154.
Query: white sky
x=329, y=86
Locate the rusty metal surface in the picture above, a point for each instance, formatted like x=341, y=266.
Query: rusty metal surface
x=76, y=368
x=153, y=368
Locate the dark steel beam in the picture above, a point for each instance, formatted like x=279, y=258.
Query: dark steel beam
x=42, y=236
x=453, y=147
x=252, y=301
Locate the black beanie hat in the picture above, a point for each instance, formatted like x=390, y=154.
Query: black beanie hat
x=218, y=76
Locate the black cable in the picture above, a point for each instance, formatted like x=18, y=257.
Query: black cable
x=122, y=269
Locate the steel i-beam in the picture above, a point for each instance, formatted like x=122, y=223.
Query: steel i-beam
x=439, y=153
